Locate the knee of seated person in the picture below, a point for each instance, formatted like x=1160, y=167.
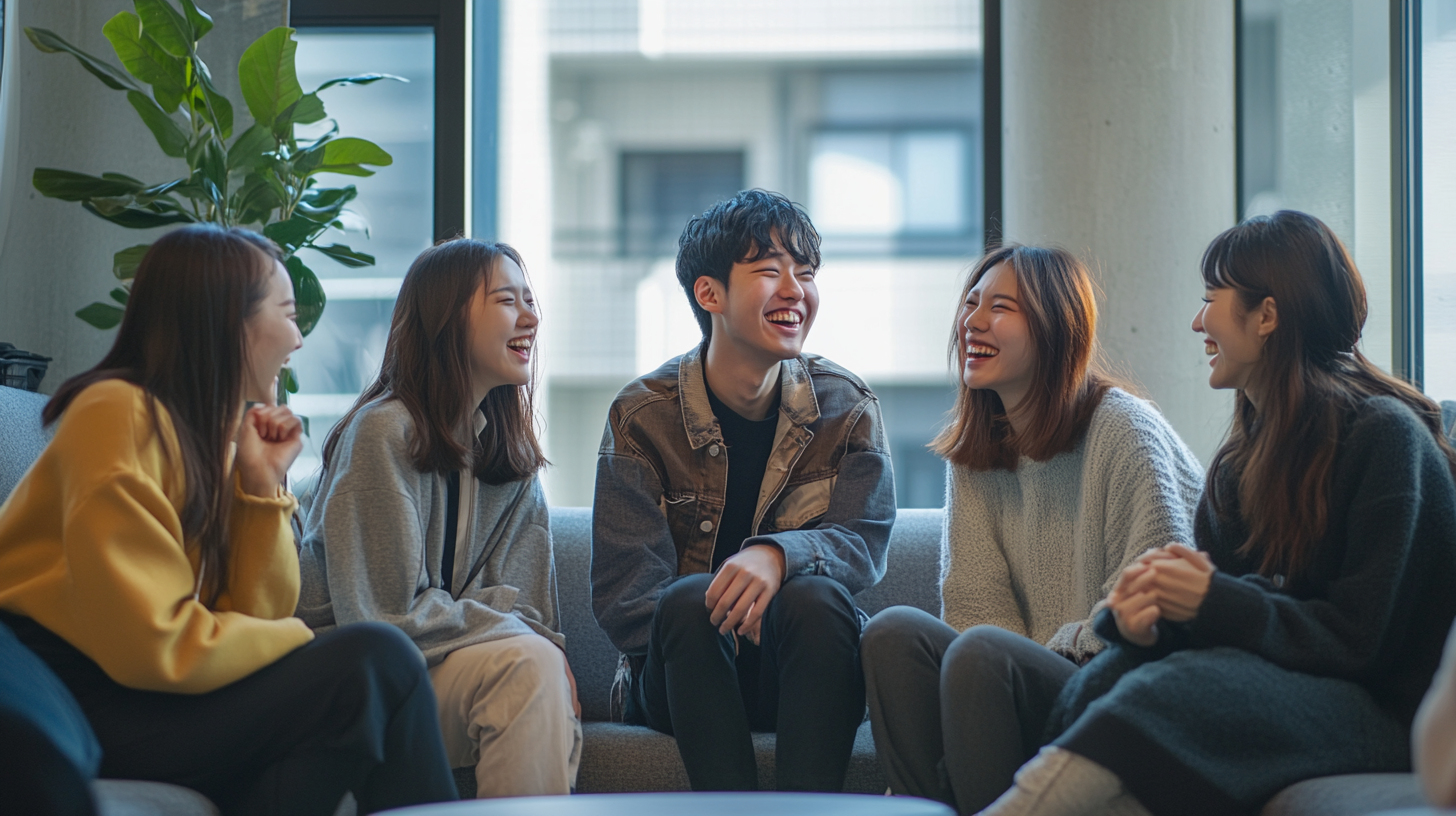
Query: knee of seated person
x=891, y=629
x=814, y=595
x=977, y=647
x=535, y=657
x=377, y=646
x=686, y=598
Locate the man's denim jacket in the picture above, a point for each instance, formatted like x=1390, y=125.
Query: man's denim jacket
x=828, y=495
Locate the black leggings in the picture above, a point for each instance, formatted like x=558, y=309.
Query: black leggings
x=803, y=682
x=352, y=710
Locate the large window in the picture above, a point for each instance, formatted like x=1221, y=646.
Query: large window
x=602, y=126
x=869, y=114
x=393, y=216
x=1315, y=130
x=403, y=207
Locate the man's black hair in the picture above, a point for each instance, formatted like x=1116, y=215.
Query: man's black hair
x=741, y=229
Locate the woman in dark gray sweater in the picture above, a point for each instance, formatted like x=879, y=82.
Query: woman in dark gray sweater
x=1299, y=641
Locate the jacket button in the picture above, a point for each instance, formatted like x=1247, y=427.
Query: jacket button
x=713, y=450
x=706, y=526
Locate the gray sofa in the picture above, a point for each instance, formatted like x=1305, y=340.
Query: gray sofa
x=620, y=757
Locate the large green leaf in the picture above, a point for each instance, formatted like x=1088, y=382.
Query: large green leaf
x=353, y=150
x=157, y=191
x=254, y=201
x=218, y=109
x=307, y=110
x=308, y=294
x=165, y=25
x=200, y=20
x=136, y=218
x=308, y=159
x=69, y=186
x=324, y=204
x=101, y=315
x=345, y=255
x=214, y=170
x=293, y=233
x=347, y=170
x=51, y=43
x=147, y=60
x=125, y=262
x=267, y=76
x=251, y=149
x=362, y=79
x=121, y=295
x=169, y=134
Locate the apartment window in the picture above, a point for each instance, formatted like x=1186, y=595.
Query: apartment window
x=662, y=190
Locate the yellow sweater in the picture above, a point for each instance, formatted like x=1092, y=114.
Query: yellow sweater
x=91, y=548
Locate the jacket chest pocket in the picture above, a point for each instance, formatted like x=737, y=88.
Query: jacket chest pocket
x=801, y=505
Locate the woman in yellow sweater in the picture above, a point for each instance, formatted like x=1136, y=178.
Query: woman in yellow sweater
x=147, y=558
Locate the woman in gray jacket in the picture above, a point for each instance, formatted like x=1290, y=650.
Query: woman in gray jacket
x=429, y=515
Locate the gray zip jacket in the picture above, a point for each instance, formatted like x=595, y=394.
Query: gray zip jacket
x=375, y=534
x=828, y=495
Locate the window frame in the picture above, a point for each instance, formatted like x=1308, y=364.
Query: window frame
x=1405, y=171
x=1407, y=300
x=447, y=19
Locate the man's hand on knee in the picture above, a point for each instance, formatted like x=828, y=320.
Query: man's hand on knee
x=743, y=587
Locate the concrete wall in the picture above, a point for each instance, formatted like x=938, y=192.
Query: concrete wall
x=1119, y=145
x=54, y=256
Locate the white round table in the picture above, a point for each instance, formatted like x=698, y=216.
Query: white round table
x=687, y=804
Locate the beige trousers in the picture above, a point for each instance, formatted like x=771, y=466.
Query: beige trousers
x=505, y=707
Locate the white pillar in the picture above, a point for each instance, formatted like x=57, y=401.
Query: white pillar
x=1119, y=146
x=524, y=196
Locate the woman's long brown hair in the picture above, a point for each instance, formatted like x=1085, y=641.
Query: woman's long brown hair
x=182, y=340
x=427, y=368
x=1058, y=300
x=1311, y=374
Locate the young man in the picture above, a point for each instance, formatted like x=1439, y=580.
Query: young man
x=744, y=494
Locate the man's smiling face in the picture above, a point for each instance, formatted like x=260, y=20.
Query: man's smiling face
x=770, y=305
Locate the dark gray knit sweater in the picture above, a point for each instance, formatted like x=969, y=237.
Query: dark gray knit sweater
x=1271, y=685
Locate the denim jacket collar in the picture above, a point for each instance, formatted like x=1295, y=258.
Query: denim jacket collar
x=797, y=402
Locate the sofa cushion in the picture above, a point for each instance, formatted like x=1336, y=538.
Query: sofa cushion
x=1348, y=795
x=912, y=573
x=618, y=758
x=21, y=436
x=592, y=656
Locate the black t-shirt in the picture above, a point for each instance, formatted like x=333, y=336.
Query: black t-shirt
x=749, y=445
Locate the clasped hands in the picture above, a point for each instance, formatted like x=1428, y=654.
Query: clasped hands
x=1165, y=583
x=742, y=589
x=269, y=438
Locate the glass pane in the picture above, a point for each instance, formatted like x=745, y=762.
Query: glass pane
x=868, y=113
x=395, y=206
x=1438, y=185
x=853, y=187
x=933, y=169
x=1314, y=120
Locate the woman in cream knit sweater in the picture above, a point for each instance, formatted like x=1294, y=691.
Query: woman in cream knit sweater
x=1056, y=481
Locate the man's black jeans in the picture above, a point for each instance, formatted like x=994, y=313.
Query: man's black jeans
x=803, y=681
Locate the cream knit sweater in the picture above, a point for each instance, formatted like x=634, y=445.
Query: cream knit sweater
x=1033, y=550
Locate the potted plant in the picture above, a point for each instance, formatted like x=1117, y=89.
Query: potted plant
x=265, y=177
